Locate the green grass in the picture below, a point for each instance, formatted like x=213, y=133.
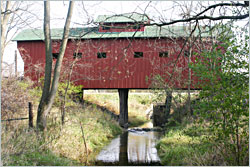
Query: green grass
x=24, y=147
x=192, y=144
x=189, y=141
x=180, y=147
x=45, y=158
x=63, y=146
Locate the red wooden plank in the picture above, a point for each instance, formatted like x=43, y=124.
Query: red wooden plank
x=101, y=72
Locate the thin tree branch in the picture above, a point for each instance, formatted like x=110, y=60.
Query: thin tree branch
x=221, y=4
x=202, y=18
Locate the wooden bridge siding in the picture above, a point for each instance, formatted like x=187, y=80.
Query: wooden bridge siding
x=111, y=72
x=32, y=54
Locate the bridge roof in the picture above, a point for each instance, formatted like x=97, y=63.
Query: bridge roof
x=122, y=18
x=93, y=33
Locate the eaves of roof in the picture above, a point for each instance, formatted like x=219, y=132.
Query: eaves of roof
x=93, y=33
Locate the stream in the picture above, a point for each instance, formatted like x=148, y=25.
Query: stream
x=133, y=147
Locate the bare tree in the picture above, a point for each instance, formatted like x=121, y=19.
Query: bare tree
x=215, y=12
x=49, y=91
x=4, y=21
x=14, y=16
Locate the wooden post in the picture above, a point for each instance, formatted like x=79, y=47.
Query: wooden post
x=123, y=117
x=30, y=115
x=63, y=112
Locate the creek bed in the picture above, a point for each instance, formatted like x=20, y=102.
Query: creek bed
x=133, y=147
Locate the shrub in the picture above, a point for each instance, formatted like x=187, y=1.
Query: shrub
x=224, y=81
x=15, y=97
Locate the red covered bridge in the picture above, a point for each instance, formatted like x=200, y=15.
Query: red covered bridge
x=120, y=53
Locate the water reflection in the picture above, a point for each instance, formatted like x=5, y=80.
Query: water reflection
x=134, y=147
x=123, y=154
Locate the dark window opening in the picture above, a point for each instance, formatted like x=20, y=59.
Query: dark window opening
x=101, y=55
x=186, y=53
x=138, y=54
x=163, y=54
x=77, y=55
x=55, y=55
x=136, y=27
x=105, y=27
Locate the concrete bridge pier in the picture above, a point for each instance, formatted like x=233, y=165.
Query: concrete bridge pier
x=123, y=116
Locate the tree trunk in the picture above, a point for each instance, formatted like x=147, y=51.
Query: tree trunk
x=4, y=21
x=48, y=94
x=43, y=105
x=60, y=56
x=189, y=72
x=168, y=104
x=189, y=80
x=14, y=16
x=15, y=63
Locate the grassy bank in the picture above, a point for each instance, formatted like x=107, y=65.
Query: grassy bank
x=86, y=130
x=190, y=143
x=200, y=140
x=185, y=145
x=62, y=145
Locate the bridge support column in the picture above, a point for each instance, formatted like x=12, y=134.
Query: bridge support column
x=123, y=116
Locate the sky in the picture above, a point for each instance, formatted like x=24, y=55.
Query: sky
x=87, y=11
x=84, y=12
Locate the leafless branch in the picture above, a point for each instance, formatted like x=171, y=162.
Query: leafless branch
x=202, y=18
x=211, y=8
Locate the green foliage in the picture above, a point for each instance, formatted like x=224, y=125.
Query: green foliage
x=144, y=101
x=224, y=77
x=218, y=133
x=73, y=92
